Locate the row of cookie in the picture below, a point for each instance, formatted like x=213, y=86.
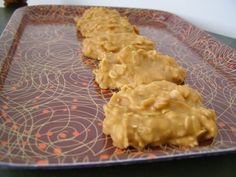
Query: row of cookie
x=126, y=57
x=148, y=109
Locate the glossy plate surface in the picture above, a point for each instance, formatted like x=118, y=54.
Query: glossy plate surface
x=51, y=109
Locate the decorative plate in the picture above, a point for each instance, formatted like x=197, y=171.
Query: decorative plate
x=51, y=110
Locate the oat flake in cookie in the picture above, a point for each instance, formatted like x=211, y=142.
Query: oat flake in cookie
x=99, y=20
x=137, y=66
x=158, y=113
x=95, y=47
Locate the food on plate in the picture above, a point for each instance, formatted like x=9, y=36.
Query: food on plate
x=150, y=107
x=99, y=20
x=158, y=113
x=96, y=46
x=137, y=66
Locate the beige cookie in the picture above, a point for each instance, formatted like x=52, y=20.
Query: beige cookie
x=137, y=66
x=158, y=113
x=96, y=46
x=100, y=20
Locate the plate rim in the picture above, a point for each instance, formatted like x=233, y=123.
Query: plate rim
x=5, y=165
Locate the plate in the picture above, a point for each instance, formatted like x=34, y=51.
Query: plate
x=52, y=110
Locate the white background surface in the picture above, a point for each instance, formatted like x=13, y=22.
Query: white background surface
x=218, y=16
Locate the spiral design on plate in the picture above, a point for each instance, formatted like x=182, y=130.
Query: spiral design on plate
x=51, y=104
x=52, y=110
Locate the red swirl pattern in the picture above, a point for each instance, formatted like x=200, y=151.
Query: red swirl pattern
x=51, y=109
